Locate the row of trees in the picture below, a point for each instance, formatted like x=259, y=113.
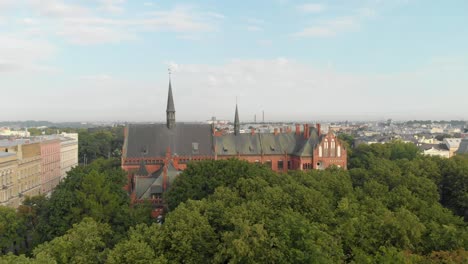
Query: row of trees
x=94, y=143
x=94, y=191
x=388, y=208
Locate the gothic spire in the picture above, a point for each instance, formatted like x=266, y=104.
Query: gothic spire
x=170, y=110
x=236, y=122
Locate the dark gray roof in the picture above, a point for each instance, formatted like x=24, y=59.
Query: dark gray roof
x=145, y=186
x=266, y=144
x=142, y=169
x=6, y=154
x=435, y=146
x=152, y=140
x=170, y=100
x=463, y=149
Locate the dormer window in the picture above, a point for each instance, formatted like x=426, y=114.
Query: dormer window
x=272, y=148
x=144, y=150
x=194, y=147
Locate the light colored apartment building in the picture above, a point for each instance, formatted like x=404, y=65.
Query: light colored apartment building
x=8, y=180
x=68, y=153
x=29, y=170
x=50, y=156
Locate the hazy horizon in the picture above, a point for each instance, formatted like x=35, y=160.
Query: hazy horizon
x=88, y=61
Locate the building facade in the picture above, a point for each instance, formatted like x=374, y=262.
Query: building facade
x=8, y=178
x=153, y=153
x=50, y=157
x=29, y=169
x=68, y=154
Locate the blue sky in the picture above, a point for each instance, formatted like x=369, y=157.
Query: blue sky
x=95, y=60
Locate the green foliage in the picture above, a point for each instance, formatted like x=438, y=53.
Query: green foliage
x=386, y=209
x=455, y=184
x=11, y=229
x=100, y=143
x=84, y=243
x=93, y=191
x=201, y=179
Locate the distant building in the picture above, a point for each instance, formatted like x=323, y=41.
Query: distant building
x=5, y=131
x=26, y=181
x=41, y=162
x=452, y=144
x=68, y=153
x=154, y=154
x=440, y=150
x=463, y=149
x=50, y=156
x=8, y=178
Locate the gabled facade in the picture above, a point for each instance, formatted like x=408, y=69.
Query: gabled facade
x=154, y=154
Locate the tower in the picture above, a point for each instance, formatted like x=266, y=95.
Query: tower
x=170, y=110
x=236, y=122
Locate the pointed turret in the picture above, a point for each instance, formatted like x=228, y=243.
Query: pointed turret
x=236, y=123
x=170, y=110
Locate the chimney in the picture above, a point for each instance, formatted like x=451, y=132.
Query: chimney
x=298, y=129
x=252, y=131
x=305, y=131
x=319, y=132
x=276, y=131
x=281, y=130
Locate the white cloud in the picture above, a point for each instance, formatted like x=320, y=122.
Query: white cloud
x=179, y=19
x=254, y=28
x=313, y=93
x=27, y=21
x=97, y=78
x=112, y=6
x=254, y=24
x=312, y=8
x=337, y=25
x=330, y=28
x=57, y=8
x=265, y=42
x=83, y=25
x=19, y=53
x=284, y=88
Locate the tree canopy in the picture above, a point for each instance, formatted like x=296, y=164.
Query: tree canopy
x=392, y=206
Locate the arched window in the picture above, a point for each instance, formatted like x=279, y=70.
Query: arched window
x=320, y=151
x=332, y=150
x=338, y=151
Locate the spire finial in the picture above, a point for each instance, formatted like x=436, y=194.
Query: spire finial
x=170, y=110
x=236, y=121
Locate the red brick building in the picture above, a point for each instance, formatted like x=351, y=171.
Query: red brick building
x=154, y=154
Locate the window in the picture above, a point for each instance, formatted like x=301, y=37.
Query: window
x=280, y=165
x=338, y=151
x=289, y=165
x=194, y=147
x=268, y=164
x=320, y=151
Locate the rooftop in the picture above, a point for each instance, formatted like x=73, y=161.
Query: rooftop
x=6, y=154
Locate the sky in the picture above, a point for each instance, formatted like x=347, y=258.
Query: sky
x=108, y=60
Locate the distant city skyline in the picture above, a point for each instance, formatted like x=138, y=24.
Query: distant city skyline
x=107, y=60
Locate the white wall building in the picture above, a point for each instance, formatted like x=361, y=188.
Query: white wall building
x=68, y=153
x=452, y=144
